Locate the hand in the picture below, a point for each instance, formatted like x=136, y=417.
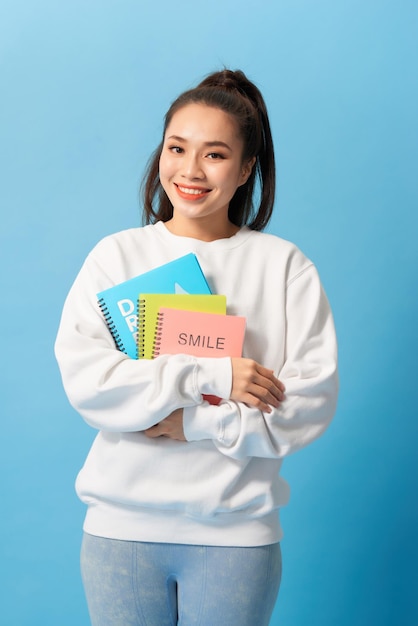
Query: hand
x=171, y=426
x=255, y=385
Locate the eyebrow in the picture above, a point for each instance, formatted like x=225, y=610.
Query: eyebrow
x=208, y=144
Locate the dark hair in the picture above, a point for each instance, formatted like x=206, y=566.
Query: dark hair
x=233, y=93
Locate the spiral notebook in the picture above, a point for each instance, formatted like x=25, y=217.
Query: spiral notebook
x=150, y=303
x=119, y=304
x=198, y=333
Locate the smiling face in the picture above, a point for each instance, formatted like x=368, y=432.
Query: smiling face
x=200, y=169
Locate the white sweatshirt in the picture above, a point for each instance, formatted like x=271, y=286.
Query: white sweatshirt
x=221, y=486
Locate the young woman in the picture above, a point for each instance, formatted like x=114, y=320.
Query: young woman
x=182, y=496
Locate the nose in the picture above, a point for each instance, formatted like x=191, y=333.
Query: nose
x=192, y=167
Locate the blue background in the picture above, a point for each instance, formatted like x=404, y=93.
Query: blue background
x=84, y=86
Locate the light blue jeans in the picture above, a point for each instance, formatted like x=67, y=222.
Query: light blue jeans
x=129, y=583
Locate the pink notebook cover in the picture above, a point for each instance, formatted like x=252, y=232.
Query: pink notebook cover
x=198, y=333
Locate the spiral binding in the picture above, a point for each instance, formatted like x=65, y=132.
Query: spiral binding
x=157, y=338
x=111, y=326
x=141, y=329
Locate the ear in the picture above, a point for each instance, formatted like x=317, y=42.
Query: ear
x=246, y=170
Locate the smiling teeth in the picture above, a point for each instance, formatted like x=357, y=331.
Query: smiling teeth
x=192, y=192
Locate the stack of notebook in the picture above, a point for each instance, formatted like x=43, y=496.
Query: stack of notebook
x=171, y=310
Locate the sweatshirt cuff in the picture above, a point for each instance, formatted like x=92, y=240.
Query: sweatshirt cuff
x=214, y=376
x=219, y=423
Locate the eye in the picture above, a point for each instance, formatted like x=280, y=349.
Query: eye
x=215, y=155
x=176, y=149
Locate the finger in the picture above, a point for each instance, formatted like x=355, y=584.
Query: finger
x=255, y=402
x=267, y=390
x=263, y=399
x=266, y=393
x=269, y=374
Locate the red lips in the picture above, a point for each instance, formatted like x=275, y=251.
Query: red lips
x=186, y=192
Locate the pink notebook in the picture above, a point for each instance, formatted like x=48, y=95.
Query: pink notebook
x=198, y=333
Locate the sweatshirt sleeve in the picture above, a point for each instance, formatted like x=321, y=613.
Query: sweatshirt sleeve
x=111, y=391
x=309, y=374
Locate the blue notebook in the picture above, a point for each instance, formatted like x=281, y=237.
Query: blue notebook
x=119, y=304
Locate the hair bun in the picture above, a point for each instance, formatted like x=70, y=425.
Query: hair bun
x=227, y=79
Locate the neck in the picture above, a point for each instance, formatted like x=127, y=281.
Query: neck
x=203, y=230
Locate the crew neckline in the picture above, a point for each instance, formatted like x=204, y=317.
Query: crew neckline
x=228, y=242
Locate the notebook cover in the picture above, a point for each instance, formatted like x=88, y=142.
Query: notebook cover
x=150, y=303
x=198, y=333
x=119, y=303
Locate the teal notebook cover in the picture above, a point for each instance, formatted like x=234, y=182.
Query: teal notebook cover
x=119, y=304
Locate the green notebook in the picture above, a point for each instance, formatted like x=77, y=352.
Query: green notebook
x=149, y=305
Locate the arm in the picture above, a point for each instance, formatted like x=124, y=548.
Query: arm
x=252, y=383
x=110, y=390
x=309, y=374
